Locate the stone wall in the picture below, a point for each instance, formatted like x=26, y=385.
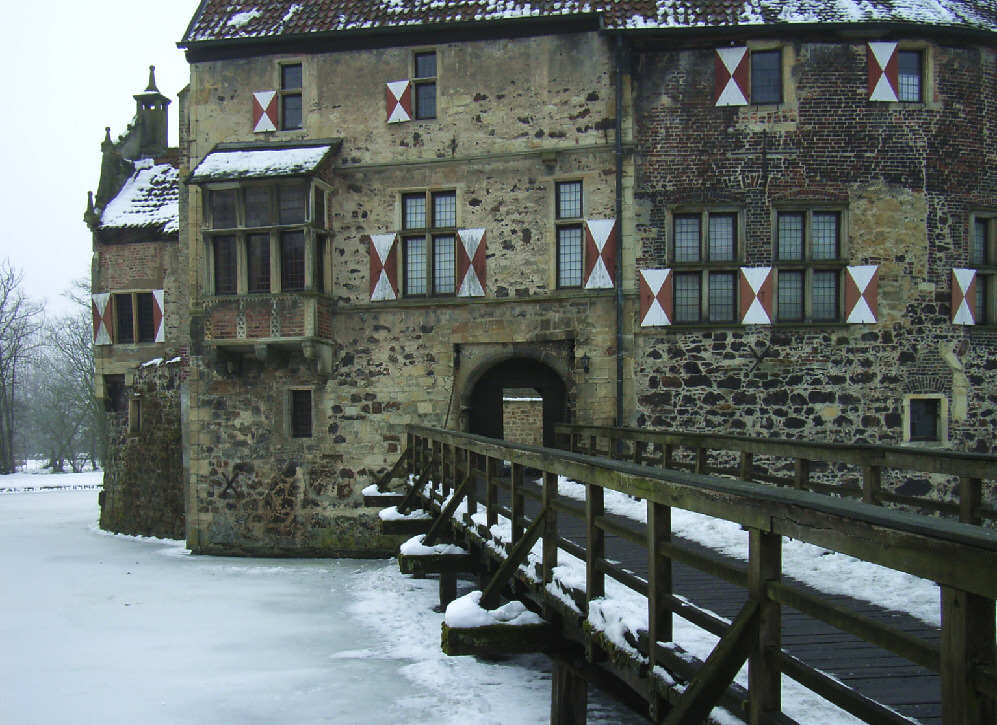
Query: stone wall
x=143, y=478
x=907, y=177
x=522, y=418
x=514, y=117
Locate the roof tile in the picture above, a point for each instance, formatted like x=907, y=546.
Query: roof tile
x=234, y=19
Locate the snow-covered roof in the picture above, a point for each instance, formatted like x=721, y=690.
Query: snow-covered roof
x=233, y=19
x=223, y=164
x=150, y=198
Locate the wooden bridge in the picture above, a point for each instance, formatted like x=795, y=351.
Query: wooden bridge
x=587, y=558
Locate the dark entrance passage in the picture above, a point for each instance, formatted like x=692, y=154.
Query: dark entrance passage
x=486, y=404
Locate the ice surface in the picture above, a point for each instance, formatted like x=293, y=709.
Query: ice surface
x=100, y=629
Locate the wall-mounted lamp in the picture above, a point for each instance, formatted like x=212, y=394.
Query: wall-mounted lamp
x=585, y=360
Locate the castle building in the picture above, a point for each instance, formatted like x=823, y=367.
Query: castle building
x=770, y=219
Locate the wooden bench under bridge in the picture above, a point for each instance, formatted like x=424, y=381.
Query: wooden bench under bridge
x=570, y=557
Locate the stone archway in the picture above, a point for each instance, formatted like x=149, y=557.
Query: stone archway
x=485, y=403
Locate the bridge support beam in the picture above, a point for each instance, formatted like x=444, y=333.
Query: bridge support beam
x=968, y=643
x=568, y=696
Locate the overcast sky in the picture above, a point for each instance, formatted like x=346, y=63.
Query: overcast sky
x=68, y=69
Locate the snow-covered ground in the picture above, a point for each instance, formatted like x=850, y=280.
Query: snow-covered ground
x=96, y=628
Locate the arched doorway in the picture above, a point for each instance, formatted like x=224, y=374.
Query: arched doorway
x=488, y=400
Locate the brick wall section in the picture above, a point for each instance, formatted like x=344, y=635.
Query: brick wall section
x=909, y=175
x=143, y=478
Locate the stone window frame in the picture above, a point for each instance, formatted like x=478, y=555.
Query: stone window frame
x=704, y=266
x=565, y=224
x=134, y=415
x=316, y=262
x=286, y=94
x=293, y=414
x=986, y=267
x=809, y=265
x=787, y=58
x=927, y=75
x=141, y=304
x=421, y=83
x=942, y=422
x=431, y=233
x=928, y=79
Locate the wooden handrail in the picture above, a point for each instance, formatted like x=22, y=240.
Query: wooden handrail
x=966, y=502
x=919, y=545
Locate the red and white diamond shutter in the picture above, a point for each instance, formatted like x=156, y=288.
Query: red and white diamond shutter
x=398, y=96
x=264, y=111
x=158, y=313
x=862, y=294
x=101, y=309
x=963, y=296
x=656, y=303
x=600, y=253
x=383, y=266
x=471, y=263
x=756, y=295
x=731, y=74
x=884, y=74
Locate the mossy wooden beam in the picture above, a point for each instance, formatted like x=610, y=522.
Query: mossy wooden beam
x=405, y=527
x=436, y=563
x=382, y=500
x=497, y=639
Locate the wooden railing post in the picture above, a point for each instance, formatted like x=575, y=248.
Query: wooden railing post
x=639, y=447
x=659, y=587
x=491, y=495
x=801, y=474
x=667, y=455
x=473, y=461
x=702, y=459
x=550, y=527
x=516, y=504
x=595, y=542
x=744, y=471
x=970, y=499
x=871, y=485
x=764, y=679
x=969, y=640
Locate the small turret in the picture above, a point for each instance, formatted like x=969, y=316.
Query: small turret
x=149, y=135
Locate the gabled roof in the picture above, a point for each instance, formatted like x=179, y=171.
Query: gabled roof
x=217, y=20
x=250, y=161
x=149, y=199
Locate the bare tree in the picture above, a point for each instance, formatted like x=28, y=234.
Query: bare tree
x=68, y=419
x=20, y=322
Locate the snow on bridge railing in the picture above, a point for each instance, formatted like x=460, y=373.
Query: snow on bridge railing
x=960, y=558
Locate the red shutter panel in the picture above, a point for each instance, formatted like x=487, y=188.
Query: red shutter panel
x=756, y=295
x=383, y=266
x=158, y=313
x=883, y=71
x=731, y=74
x=471, y=263
x=963, y=296
x=600, y=254
x=399, y=101
x=264, y=111
x=862, y=294
x=101, y=310
x=656, y=304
